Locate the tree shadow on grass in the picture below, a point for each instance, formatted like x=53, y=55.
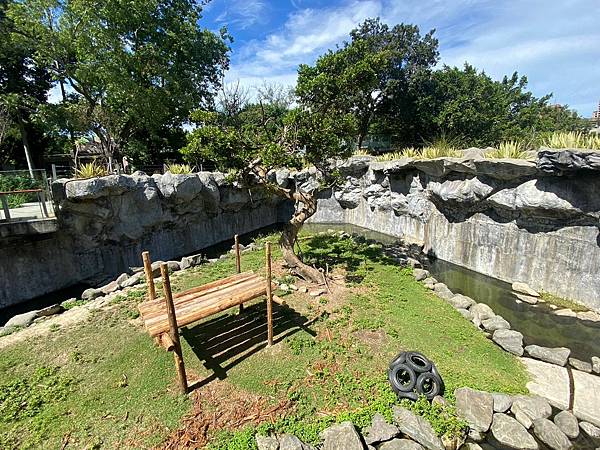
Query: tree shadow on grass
x=224, y=342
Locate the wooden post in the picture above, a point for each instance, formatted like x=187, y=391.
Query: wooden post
x=238, y=262
x=173, y=330
x=149, y=277
x=269, y=296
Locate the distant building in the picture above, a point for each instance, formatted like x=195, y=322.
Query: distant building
x=596, y=115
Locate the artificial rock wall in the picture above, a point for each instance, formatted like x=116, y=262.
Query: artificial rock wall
x=531, y=221
x=105, y=224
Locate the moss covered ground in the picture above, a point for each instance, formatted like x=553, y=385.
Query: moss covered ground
x=103, y=384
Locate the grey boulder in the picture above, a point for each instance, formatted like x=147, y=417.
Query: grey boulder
x=567, y=423
x=495, y=323
x=547, y=432
x=578, y=364
x=380, y=430
x=417, y=428
x=476, y=407
x=590, y=429
x=596, y=364
x=502, y=402
x=534, y=406
x=22, y=320
x=442, y=291
x=400, y=444
x=267, y=443
x=290, y=442
x=481, y=312
x=90, y=294
x=510, y=433
x=342, y=436
x=509, y=340
x=557, y=355
x=524, y=288
x=460, y=301
x=420, y=274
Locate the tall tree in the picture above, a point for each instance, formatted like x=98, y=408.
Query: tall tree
x=372, y=72
x=268, y=138
x=133, y=66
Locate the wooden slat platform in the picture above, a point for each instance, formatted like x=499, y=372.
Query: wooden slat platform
x=203, y=301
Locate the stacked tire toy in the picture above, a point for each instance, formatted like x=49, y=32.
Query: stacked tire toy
x=411, y=374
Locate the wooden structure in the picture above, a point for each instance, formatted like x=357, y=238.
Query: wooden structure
x=164, y=316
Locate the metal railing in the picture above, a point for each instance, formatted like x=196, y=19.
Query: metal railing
x=25, y=195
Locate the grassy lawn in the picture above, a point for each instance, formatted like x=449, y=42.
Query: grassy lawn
x=103, y=384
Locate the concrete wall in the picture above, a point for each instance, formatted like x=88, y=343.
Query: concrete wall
x=515, y=221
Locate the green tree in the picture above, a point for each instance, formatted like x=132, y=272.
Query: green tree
x=132, y=67
x=370, y=75
x=266, y=138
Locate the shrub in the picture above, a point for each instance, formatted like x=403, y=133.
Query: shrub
x=509, y=150
x=572, y=139
x=179, y=169
x=408, y=152
x=17, y=182
x=90, y=170
x=439, y=152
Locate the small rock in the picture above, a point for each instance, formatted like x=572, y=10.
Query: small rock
x=567, y=423
x=524, y=288
x=527, y=299
x=90, y=294
x=173, y=266
x=556, y=355
x=50, y=310
x=534, y=406
x=417, y=428
x=590, y=316
x=400, y=444
x=133, y=280
x=420, y=274
x=439, y=400
x=465, y=313
x=507, y=431
x=590, y=429
x=412, y=262
x=595, y=364
x=290, y=442
x=476, y=436
x=110, y=287
x=442, y=291
x=21, y=320
x=380, y=430
x=509, y=340
x=578, y=364
x=292, y=287
x=481, y=312
x=341, y=436
x=460, y=301
x=121, y=279
x=547, y=432
x=156, y=268
x=524, y=419
x=316, y=292
x=565, y=312
x=284, y=287
x=502, y=402
x=476, y=407
x=303, y=289
x=266, y=442
x=495, y=323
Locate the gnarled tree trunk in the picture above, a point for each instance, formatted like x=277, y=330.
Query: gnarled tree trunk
x=306, y=207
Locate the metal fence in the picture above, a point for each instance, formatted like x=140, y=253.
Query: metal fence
x=25, y=195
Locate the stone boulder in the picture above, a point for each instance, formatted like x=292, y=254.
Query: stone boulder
x=460, y=301
x=91, y=293
x=290, y=442
x=342, y=436
x=380, y=430
x=595, y=364
x=567, y=423
x=566, y=161
x=524, y=288
x=502, y=402
x=547, y=432
x=417, y=428
x=22, y=320
x=476, y=407
x=481, y=312
x=578, y=364
x=468, y=191
x=420, y=274
x=527, y=298
x=267, y=443
x=590, y=429
x=400, y=444
x=509, y=340
x=495, y=323
x=534, y=407
x=557, y=355
x=505, y=169
x=442, y=291
x=510, y=433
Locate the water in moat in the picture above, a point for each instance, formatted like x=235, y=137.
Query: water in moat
x=538, y=323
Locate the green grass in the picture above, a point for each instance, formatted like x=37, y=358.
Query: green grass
x=562, y=302
x=110, y=387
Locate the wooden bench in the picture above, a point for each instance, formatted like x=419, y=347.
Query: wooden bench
x=41, y=197
x=164, y=316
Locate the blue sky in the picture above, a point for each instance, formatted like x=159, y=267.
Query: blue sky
x=556, y=43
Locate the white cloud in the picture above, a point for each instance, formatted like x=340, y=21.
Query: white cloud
x=555, y=43
x=243, y=13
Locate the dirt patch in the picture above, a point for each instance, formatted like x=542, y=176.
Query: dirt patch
x=219, y=405
x=376, y=340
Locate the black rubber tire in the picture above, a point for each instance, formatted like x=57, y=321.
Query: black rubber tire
x=429, y=385
x=404, y=371
x=409, y=395
x=399, y=359
x=418, y=362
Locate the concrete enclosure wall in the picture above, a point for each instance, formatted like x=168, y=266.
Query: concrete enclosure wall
x=536, y=222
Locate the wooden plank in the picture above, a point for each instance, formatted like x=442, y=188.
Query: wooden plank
x=194, y=299
x=166, y=342
x=173, y=330
x=149, y=278
x=215, y=298
x=198, y=314
x=206, y=288
x=269, y=296
x=238, y=263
